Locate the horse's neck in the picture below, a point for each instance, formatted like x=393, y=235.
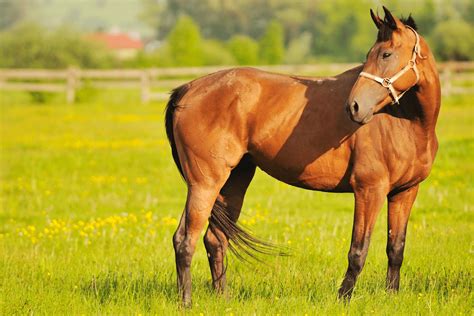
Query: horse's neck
x=428, y=95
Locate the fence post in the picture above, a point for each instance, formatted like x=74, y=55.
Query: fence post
x=145, y=86
x=71, y=85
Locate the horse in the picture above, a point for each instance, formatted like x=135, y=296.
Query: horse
x=369, y=131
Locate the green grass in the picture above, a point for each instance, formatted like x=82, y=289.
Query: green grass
x=90, y=199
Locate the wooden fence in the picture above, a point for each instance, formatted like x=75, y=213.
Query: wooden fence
x=154, y=83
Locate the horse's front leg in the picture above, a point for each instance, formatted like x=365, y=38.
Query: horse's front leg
x=399, y=208
x=368, y=201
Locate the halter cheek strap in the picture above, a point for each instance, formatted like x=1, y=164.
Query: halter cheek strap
x=388, y=82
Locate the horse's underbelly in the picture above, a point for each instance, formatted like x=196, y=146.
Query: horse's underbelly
x=329, y=172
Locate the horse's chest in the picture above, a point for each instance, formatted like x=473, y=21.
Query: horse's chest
x=408, y=163
x=401, y=158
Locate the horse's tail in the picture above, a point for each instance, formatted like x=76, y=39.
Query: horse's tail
x=241, y=242
x=172, y=105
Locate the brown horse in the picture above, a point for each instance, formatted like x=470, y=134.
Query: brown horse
x=310, y=133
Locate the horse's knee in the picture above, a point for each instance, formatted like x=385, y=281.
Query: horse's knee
x=178, y=238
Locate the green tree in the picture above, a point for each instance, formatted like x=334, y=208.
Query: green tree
x=299, y=49
x=185, y=43
x=342, y=30
x=272, y=47
x=244, y=49
x=426, y=17
x=28, y=45
x=215, y=53
x=451, y=41
x=217, y=19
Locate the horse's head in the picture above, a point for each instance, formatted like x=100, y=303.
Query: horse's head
x=390, y=69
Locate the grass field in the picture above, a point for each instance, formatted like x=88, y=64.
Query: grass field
x=90, y=199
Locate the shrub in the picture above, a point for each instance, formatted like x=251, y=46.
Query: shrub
x=299, y=49
x=244, y=49
x=215, y=53
x=29, y=45
x=272, y=47
x=452, y=40
x=185, y=43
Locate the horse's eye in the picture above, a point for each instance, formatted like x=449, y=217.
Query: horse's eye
x=386, y=55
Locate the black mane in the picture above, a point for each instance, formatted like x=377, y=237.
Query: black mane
x=385, y=31
x=410, y=22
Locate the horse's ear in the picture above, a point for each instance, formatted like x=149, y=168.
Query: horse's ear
x=389, y=19
x=377, y=21
x=411, y=22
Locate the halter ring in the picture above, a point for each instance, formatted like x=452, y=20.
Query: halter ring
x=386, y=82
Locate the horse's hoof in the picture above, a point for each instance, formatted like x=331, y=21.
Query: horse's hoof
x=344, y=295
x=392, y=290
x=187, y=304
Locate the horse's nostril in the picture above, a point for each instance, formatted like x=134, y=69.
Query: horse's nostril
x=348, y=108
x=356, y=107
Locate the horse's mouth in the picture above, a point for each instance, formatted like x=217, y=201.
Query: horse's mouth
x=366, y=119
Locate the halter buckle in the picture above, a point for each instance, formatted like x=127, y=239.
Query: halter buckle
x=386, y=82
x=412, y=63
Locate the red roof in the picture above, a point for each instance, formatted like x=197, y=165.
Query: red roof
x=117, y=41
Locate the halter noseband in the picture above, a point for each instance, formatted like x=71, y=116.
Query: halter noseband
x=388, y=82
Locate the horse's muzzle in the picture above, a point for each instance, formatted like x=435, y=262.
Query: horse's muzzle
x=355, y=113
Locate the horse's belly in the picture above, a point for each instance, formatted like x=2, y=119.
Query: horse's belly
x=329, y=172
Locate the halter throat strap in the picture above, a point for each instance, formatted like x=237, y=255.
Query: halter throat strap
x=388, y=82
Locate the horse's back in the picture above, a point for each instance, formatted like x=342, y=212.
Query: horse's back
x=229, y=101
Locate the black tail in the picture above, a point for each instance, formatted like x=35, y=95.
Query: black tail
x=241, y=242
x=172, y=105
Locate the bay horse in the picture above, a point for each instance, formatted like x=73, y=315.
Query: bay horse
x=350, y=133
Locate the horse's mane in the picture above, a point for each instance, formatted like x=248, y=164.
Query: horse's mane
x=385, y=31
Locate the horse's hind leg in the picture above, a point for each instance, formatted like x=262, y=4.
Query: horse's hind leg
x=399, y=208
x=204, y=182
x=198, y=208
x=230, y=200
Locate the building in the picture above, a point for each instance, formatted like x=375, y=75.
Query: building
x=122, y=45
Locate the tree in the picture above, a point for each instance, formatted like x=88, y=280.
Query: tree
x=342, y=30
x=29, y=45
x=244, y=49
x=185, y=43
x=215, y=53
x=299, y=49
x=217, y=19
x=272, y=47
x=426, y=17
x=451, y=40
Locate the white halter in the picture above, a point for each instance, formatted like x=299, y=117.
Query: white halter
x=388, y=82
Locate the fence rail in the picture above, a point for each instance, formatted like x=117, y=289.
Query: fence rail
x=456, y=78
